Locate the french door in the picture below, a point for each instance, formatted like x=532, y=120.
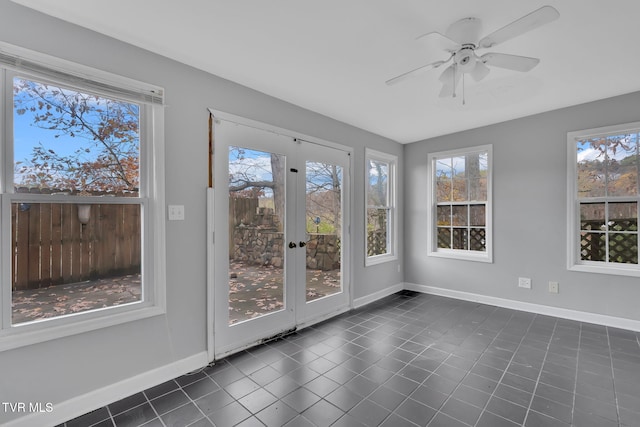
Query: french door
x=281, y=228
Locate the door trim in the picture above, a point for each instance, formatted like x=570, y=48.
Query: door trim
x=212, y=350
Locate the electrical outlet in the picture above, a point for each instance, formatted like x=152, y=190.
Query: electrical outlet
x=176, y=212
x=554, y=287
x=524, y=282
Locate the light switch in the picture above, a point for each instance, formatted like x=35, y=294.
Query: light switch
x=176, y=212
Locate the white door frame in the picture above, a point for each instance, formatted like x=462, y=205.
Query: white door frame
x=348, y=201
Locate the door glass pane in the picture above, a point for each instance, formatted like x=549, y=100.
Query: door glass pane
x=324, y=229
x=256, y=233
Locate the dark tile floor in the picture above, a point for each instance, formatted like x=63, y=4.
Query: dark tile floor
x=409, y=359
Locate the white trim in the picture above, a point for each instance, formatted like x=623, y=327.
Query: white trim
x=574, y=263
x=392, y=189
x=210, y=273
x=564, y=313
x=460, y=254
x=96, y=399
x=368, y=299
x=222, y=115
x=151, y=201
x=29, y=61
x=58, y=327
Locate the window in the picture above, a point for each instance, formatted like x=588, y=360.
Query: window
x=460, y=204
x=603, y=200
x=380, y=230
x=81, y=226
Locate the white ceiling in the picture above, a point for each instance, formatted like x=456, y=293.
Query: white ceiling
x=334, y=56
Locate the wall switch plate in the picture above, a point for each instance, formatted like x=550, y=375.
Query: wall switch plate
x=176, y=212
x=554, y=287
x=524, y=282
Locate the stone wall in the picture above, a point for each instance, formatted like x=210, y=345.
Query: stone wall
x=260, y=243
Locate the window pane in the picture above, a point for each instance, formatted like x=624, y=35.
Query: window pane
x=443, y=190
x=70, y=258
x=623, y=248
x=257, y=219
x=460, y=239
x=377, y=187
x=459, y=216
x=478, y=215
x=592, y=216
x=622, y=168
x=623, y=216
x=65, y=140
x=592, y=246
x=444, y=238
x=377, y=229
x=591, y=168
x=459, y=193
x=477, y=239
x=444, y=215
x=444, y=169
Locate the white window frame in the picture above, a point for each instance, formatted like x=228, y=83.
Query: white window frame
x=392, y=227
x=29, y=64
x=574, y=263
x=432, y=238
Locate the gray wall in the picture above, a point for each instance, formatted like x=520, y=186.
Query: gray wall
x=529, y=222
x=58, y=370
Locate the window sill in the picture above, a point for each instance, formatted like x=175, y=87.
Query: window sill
x=379, y=259
x=40, y=331
x=632, y=271
x=462, y=255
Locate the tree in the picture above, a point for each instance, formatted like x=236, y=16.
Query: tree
x=92, y=142
x=256, y=174
x=323, y=196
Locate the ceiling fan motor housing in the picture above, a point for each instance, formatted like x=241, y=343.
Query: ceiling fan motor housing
x=465, y=59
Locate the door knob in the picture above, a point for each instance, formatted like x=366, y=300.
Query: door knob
x=303, y=244
x=292, y=245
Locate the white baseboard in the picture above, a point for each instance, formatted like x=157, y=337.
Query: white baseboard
x=362, y=301
x=88, y=402
x=581, y=316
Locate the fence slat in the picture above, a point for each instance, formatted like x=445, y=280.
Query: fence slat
x=33, y=275
x=67, y=243
x=75, y=244
x=45, y=242
x=56, y=243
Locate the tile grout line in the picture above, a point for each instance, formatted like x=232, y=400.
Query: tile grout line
x=575, y=383
x=484, y=409
x=535, y=388
x=613, y=376
x=467, y=374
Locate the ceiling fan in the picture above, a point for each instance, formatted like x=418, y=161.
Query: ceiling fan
x=460, y=41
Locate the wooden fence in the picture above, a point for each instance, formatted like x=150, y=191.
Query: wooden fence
x=50, y=246
x=623, y=247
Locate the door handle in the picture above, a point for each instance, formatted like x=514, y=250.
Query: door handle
x=292, y=245
x=303, y=244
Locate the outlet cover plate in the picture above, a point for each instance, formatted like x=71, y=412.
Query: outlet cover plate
x=554, y=287
x=176, y=212
x=524, y=282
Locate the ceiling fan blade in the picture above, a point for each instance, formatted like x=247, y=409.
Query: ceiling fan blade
x=480, y=71
x=529, y=22
x=435, y=40
x=414, y=72
x=449, y=78
x=510, y=62
x=465, y=31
